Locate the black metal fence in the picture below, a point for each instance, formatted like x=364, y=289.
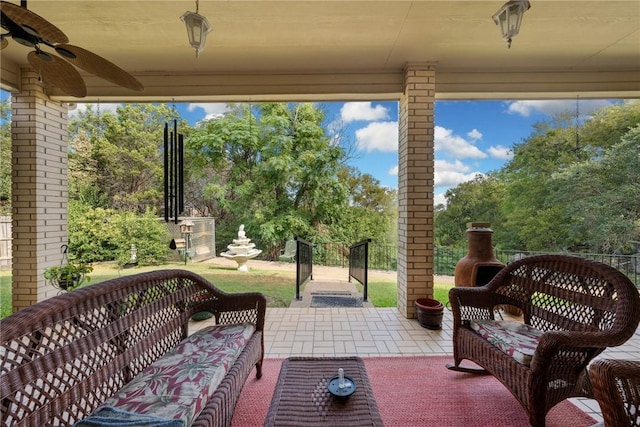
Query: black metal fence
x=627, y=264
x=385, y=257
x=304, y=263
x=359, y=264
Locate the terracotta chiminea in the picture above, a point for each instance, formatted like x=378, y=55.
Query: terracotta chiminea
x=479, y=266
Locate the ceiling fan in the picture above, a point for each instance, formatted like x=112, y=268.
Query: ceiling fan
x=31, y=30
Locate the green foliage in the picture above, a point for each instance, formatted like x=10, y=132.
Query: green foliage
x=603, y=196
x=565, y=188
x=115, y=183
x=274, y=169
x=479, y=200
x=115, y=160
x=371, y=212
x=5, y=158
x=277, y=172
x=99, y=234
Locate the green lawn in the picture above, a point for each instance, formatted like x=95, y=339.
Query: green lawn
x=277, y=286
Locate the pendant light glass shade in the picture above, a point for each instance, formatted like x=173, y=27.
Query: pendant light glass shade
x=197, y=29
x=509, y=18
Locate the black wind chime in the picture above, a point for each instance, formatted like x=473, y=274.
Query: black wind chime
x=173, y=172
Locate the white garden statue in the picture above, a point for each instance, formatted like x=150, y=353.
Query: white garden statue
x=241, y=250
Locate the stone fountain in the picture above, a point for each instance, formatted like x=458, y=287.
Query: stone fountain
x=241, y=250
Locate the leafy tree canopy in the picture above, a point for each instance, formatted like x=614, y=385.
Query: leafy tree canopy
x=566, y=188
x=5, y=158
x=275, y=169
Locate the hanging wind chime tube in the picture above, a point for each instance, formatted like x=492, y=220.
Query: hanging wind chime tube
x=173, y=172
x=181, y=172
x=166, y=172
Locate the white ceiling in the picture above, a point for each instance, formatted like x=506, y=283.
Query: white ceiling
x=261, y=50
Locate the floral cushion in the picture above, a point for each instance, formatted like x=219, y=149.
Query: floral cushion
x=516, y=339
x=178, y=385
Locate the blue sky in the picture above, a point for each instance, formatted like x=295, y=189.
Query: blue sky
x=471, y=137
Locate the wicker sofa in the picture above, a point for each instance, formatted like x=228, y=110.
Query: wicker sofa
x=62, y=358
x=572, y=310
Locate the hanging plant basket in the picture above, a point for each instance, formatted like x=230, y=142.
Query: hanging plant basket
x=68, y=284
x=68, y=275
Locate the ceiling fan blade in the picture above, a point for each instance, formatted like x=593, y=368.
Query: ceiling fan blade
x=25, y=18
x=99, y=66
x=59, y=73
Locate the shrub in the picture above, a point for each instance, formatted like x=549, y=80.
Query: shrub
x=98, y=234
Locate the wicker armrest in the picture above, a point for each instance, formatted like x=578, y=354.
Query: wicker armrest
x=235, y=308
x=616, y=387
x=231, y=308
x=555, y=345
x=472, y=303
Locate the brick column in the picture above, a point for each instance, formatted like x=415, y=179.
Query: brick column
x=39, y=140
x=415, y=187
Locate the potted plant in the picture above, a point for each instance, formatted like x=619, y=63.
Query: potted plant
x=69, y=276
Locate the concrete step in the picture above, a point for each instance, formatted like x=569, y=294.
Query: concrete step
x=329, y=293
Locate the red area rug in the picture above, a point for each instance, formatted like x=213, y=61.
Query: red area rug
x=419, y=391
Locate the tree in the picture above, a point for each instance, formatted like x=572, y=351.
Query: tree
x=275, y=169
x=533, y=221
x=478, y=200
x=371, y=212
x=608, y=125
x=116, y=185
x=302, y=194
x=116, y=159
x=5, y=157
x=603, y=196
x=566, y=188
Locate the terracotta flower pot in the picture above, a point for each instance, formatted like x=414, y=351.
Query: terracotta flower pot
x=429, y=313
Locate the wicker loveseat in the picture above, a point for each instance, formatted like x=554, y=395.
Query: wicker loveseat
x=572, y=308
x=62, y=358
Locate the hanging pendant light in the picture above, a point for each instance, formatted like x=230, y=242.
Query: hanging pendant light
x=197, y=29
x=509, y=18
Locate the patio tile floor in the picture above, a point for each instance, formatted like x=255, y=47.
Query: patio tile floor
x=369, y=332
x=374, y=332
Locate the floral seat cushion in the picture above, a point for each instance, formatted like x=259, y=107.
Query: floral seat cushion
x=178, y=385
x=516, y=339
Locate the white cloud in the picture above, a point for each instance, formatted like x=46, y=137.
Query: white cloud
x=456, y=146
x=363, y=111
x=500, y=152
x=475, y=135
x=449, y=174
x=381, y=136
x=439, y=199
x=81, y=107
x=553, y=107
x=212, y=110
